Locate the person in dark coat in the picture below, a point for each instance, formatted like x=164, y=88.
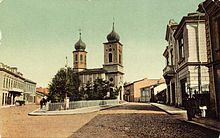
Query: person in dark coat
x=43, y=101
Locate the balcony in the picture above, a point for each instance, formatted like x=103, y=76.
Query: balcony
x=168, y=72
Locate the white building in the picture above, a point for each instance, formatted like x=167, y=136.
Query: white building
x=14, y=86
x=189, y=75
x=170, y=55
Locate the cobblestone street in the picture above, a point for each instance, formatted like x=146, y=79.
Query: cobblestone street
x=130, y=120
x=140, y=120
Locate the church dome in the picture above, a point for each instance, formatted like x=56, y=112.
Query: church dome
x=80, y=45
x=113, y=36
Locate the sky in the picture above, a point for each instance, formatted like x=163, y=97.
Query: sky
x=37, y=35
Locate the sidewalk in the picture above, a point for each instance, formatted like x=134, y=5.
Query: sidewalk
x=42, y=112
x=204, y=122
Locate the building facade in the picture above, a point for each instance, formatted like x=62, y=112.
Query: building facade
x=14, y=86
x=169, y=70
x=188, y=75
x=112, y=70
x=135, y=92
x=29, y=91
x=211, y=8
x=40, y=93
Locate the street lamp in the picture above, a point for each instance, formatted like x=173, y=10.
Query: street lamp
x=66, y=99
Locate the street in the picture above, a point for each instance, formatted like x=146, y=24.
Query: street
x=129, y=120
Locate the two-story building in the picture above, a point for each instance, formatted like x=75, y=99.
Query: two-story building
x=188, y=75
x=14, y=86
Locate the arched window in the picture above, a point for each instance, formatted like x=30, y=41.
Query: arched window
x=81, y=58
x=110, y=57
x=119, y=58
x=76, y=59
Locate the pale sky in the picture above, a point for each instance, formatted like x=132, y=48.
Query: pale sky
x=37, y=35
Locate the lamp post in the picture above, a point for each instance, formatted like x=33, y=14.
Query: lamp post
x=66, y=99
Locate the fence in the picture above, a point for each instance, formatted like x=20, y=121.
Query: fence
x=81, y=104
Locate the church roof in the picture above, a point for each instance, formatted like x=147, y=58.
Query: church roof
x=113, y=36
x=92, y=71
x=80, y=45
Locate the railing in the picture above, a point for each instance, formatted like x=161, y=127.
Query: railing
x=81, y=104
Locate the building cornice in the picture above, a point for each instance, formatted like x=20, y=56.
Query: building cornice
x=212, y=8
x=113, y=64
x=190, y=64
x=113, y=43
x=14, y=74
x=187, y=19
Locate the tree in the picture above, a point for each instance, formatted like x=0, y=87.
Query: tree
x=66, y=81
x=99, y=90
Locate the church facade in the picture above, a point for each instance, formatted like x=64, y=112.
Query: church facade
x=112, y=69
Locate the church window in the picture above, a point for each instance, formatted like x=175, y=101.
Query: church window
x=110, y=57
x=76, y=59
x=110, y=49
x=111, y=79
x=120, y=58
x=81, y=58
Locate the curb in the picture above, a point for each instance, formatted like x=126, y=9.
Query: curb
x=202, y=125
x=191, y=122
x=73, y=111
x=169, y=112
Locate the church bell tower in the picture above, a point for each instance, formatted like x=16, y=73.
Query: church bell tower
x=113, y=60
x=79, y=55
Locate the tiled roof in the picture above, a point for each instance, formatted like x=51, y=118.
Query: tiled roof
x=42, y=90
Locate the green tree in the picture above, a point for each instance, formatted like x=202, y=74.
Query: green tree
x=66, y=81
x=100, y=89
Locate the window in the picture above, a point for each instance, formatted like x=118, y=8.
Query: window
x=111, y=79
x=4, y=83
x=85, y=59
x=171, y=56
x=110, y=57
x=167, y=60
x=7, y=83
x=76, y=58
x=81, y=58
x=120, y=59
x=181, y=48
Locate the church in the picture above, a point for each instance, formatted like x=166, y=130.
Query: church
x=112, y=69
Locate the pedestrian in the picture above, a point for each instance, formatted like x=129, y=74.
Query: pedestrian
x=41, y=103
